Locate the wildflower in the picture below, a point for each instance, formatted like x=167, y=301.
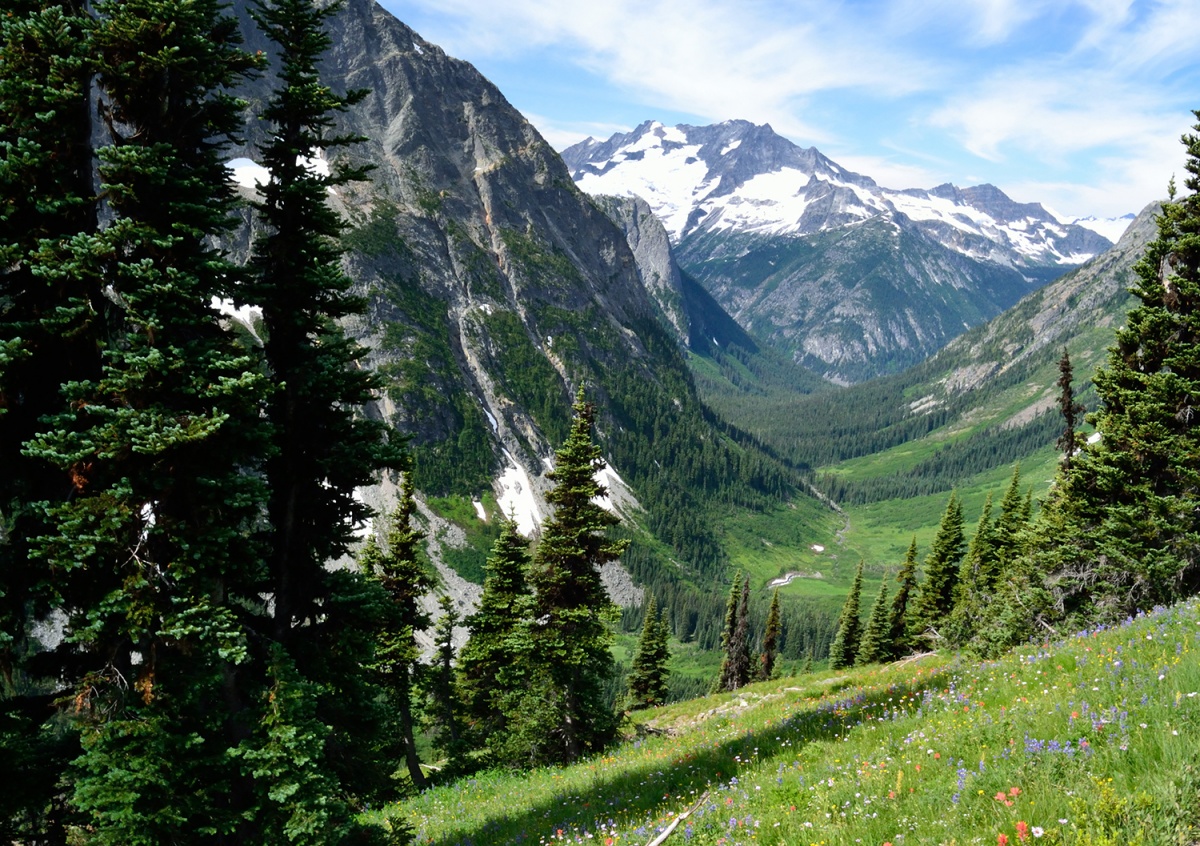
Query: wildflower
x=1001, y=840
x=1038, y=831
x=1014, y=791
x=1022, y=830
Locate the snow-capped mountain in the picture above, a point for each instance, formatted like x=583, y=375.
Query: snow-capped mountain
x=740, y=177
x=1111, y=228
x=847, y=277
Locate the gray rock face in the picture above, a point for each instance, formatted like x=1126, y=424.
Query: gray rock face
x=470, y=222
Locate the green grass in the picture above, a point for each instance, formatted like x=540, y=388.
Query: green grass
x=1091, y=740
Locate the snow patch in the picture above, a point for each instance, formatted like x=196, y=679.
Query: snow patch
x=733, y=145
x=247, y=315
x=1111, y=228
x=517, y=499
x=492, y=420
x=247, y=173
x=816, y=547
x=479, y=510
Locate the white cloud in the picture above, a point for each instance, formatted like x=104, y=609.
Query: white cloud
x=562, y=134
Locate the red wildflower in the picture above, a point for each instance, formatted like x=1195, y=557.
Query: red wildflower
x=1022, y=830
x=1001, y=840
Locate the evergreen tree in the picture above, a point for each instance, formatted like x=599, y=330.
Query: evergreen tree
x=808, y=661
x=1128, y=504
x=728, y=629
x=873, y=647
x=735, y=667
x=899, y=624
x=496, y=657
x=322, y=447
x=445, y=706
x=51, y=314
x=400, y=572
x=1070, y=410
x=570, y=632
x=770, y=644
x=648, y=676
x=844, y=648
x=976, y=575
x=1010, y=526
x=936, y=598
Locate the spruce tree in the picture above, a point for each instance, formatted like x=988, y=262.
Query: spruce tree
x=873, y=647
x=1128, y=504
x=648, y=675
x=571, y=633
x=936, y=598
x=1070, y=410
x=445, y=707
x=770, y=643
x=399, y=570
x=323, y=449
x=976, y=575
x=51, y=314
x=496, y=659
x=899, y=623
x=844, y=648
x=736, y=665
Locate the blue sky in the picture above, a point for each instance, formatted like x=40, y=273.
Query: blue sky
x=1078, y=104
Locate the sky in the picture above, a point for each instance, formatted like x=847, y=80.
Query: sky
x=1077, y=104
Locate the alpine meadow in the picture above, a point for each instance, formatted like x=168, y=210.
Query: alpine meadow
x=371, y=473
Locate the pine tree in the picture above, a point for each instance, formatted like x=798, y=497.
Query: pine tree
x=445, y=707
x=648, y=675
x=400, y=572
x=735, y=668
x=323, y=449
x=770, y=644
x=844, y=648
x=873, y=646
x=496, y=657
x=976, y=575
x=899, y=623
x=1009, y=531
x=1070, y=410
x=51, y=314
x=936, y=598
x=1128, y=505
x=572, y=612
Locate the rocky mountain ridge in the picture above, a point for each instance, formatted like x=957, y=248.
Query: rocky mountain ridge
x=847, y=278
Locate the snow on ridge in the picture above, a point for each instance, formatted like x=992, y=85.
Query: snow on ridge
x=733, y=145
x=1111, y=228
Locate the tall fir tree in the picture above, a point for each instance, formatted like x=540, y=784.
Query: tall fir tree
x=648, y=675
x=323, y=448
x=51, y=319
x=156, y=539
x=873, y=647
x=571, y=631
x=936, y=598
x=899, y=623
x=1070, y=409
x=770, y=644
x=976, y=575
x=445, y=705
x=1127, y=507
x=496, y=657
x=844, y=648
x=399, y=570
x=735, y=667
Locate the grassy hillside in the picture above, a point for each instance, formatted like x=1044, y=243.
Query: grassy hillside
x=1093, y=738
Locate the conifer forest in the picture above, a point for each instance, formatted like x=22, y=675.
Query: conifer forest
x=221, y=621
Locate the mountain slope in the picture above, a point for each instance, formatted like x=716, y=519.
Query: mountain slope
x=496, y=287
x=846, y=277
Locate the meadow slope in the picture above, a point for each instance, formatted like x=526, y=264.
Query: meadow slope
x=1092, y=738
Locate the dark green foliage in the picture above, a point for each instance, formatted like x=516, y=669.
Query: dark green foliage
x=976, y=577
x=399, y=570
x=936, y=598
x=527, y=375
x=899, y=621
x=445, y=706
x=770, y=642
x=1069, y=409
x=874, y=647
x=735, y=640
x=495, y=658
x=648, y=677
x=322, y=448
x=1129, y=502
x=570, y=632
x=844, y=649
